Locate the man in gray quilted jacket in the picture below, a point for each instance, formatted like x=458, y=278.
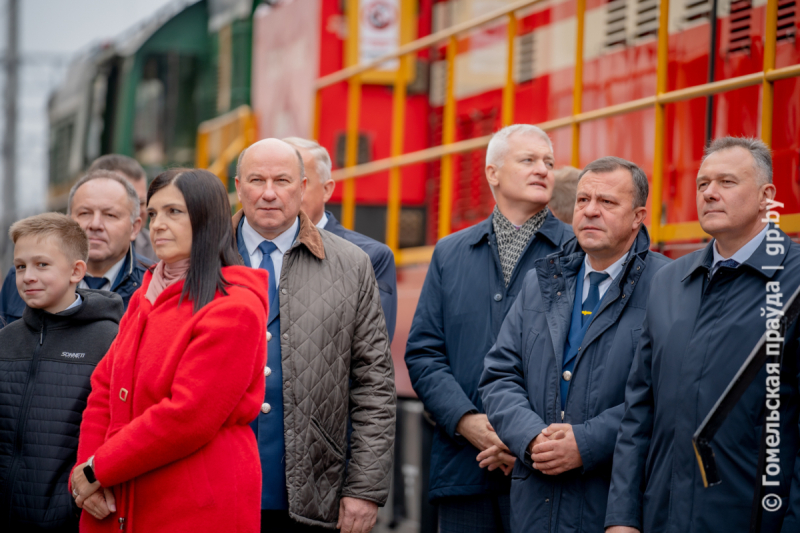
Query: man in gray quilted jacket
x=328, y=357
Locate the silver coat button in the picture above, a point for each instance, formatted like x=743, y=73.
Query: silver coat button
x=265, y=408
x=269, y=336
x=267, y=371
x=567, y=375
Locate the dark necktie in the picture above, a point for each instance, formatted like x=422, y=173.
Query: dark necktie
x=267, y=248
x=93, y=282
x=730, y=263
x=595, y=279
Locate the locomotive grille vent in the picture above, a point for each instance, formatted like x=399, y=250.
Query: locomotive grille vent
x=787, y=12
x=697, y=10
x=739, y=38
x=616, y=18
x=524, y=60
x=646, y=18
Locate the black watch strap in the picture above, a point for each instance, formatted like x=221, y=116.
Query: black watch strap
x=89, y=473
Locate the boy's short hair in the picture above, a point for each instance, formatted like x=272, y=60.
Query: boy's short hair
x=70, y=236
x=119, y=163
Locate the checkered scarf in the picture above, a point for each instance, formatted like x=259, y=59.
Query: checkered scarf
x=511, y=240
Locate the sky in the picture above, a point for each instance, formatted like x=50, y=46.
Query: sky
x=51, y=33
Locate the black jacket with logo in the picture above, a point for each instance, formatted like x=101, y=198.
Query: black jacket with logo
x=46, y=361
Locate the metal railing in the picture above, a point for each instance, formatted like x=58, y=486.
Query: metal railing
x=660, y=232
x=221, y=140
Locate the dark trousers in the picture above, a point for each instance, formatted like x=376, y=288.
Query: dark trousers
x=281, y=522
x=486, y=513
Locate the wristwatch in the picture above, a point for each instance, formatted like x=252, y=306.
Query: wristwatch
x=88, y=470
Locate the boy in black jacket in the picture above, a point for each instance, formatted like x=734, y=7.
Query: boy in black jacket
x=46, y=360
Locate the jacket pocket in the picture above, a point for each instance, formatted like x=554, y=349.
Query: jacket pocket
x=324, y=463
x=331, y=443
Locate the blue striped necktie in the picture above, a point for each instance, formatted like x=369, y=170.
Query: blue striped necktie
x=595, y=279
x=267, y=248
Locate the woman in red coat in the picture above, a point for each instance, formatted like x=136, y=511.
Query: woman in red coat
x=165, y=443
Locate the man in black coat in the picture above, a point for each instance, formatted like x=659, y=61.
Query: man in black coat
x=554, y=383
x=106, y=206
x=472, y=282
x=319, y=189
x=705, y=314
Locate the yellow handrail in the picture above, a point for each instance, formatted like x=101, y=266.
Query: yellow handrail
x=577, y=88
x=221, y=140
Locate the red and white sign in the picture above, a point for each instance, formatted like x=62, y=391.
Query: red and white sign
x=378, y=31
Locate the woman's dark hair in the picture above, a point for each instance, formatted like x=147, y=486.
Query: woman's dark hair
x=212, y=232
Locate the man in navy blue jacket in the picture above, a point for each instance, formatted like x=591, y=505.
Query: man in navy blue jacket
x=319, y=189
x=472, y=281
x=705, y=314
x=554, y=383
x=106, y=206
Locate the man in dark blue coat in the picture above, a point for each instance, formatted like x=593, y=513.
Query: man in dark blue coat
x=472, y=281
x=106, y=206
x=554, y=383
x=705, y=314
x=318, y=191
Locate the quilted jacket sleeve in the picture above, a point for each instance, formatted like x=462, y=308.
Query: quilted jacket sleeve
x=372, y=398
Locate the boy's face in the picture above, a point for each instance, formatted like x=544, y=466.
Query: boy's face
x=46, y=276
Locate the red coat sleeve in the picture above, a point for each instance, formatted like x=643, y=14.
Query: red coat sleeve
x=220, y=378
x=97, y=415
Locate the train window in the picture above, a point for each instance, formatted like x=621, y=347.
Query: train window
x=148, y=124
x=364, y=149
x=94, y=137
x=61, y=137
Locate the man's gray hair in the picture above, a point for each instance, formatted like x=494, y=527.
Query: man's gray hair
x=318, y=152
x=133, y=197
x=610, y=163
x=760, y=152
x=300, y=164
x=498, y=145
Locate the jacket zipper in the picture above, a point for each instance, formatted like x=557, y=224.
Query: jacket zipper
x=27, y=393
x=122, y=504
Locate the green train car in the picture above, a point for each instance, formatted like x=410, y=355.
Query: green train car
x=144, y=93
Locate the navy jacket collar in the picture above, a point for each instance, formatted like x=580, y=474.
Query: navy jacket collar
x=332, y=222
x=760, y=262
x=551, y=229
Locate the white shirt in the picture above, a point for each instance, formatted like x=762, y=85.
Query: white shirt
x=283, y=242
x=110, y=276
x=323, y=221
x=742, y=254
x=76, y=303
x=613, y=271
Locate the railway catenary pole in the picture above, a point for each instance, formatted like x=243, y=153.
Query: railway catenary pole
x=10, y=133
